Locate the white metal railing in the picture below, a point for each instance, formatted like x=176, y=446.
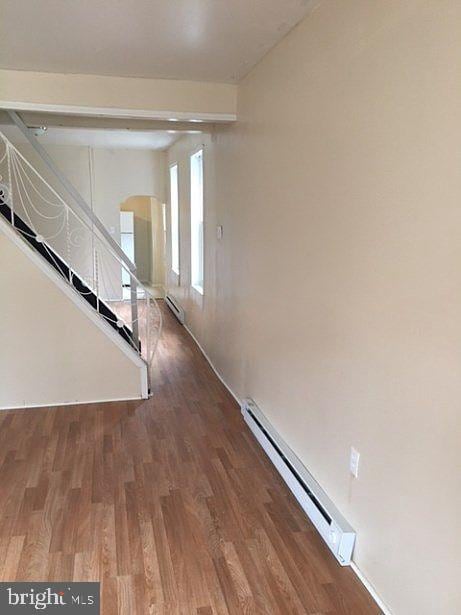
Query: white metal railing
x=80, y=248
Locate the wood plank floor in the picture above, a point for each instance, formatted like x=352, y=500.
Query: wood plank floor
x=169, y=502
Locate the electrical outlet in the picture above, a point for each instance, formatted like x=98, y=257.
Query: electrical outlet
x=219, y=232
x=354, y=462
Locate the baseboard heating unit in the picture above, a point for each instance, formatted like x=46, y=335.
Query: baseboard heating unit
x=331, y=525
x=175, y=308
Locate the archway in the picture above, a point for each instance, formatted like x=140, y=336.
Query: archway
x=149, y=240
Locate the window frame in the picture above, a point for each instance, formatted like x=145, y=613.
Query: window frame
x=199, y=288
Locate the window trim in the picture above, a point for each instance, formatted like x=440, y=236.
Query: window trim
x=200, y=289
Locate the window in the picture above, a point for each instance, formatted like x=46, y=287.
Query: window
x=174, y=204
x=196, y=220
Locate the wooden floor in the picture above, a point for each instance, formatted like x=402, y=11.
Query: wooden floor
x=169, y=502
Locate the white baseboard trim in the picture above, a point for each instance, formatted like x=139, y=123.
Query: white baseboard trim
x=368, y=586
x=370, y=589
x=70, y=403
x=212, y=366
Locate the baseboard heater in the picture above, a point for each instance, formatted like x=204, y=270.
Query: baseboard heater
x=331, y=525
x=175, y=308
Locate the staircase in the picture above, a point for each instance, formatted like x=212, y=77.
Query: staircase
x=76, y=245
x=39, y=245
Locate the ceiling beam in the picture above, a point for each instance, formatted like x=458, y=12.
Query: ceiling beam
x=117, y=97
x=36, y=120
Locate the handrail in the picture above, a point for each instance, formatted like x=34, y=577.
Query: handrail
x=75, y=213
x=70, y=188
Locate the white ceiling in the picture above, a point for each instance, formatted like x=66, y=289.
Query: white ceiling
x=107, y=138
x=210, y=40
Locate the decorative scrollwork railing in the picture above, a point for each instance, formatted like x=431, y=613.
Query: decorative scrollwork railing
x=74, y=245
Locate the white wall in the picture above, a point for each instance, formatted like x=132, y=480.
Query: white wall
x=121, y=173
x=334, y=297
x=51, y=353
x=117, y=175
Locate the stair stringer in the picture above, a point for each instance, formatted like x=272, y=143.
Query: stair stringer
x=82, y=306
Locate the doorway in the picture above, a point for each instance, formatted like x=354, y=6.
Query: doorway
x=142, y=230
